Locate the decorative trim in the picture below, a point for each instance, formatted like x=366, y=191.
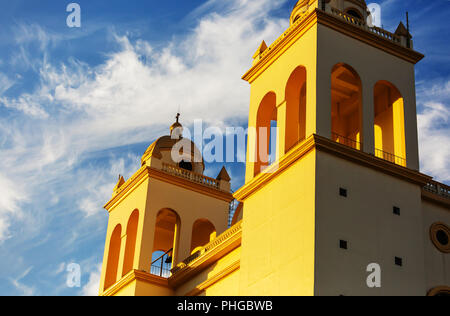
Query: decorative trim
x=315, y=17
x=217, y=249
x=286, y=40
x=439, y=291
x=434, y=229
x=215, y=278
x=147, y=172
x=135, y=275
x=140, y=176
x=329, y=146
x=368, y=160
x=436, y=198
x=379, y=42
x=184, y=183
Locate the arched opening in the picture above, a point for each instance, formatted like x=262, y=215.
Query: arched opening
x=167, y=228
x=130, y=247
x=186, y=165
x=295, y=108
x=238, y=214
x=112, y=264
x=354, y=13
x=266, y=123
x=346, y=106
x=389, y=123
x=203, y=232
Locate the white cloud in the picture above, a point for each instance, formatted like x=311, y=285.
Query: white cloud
x=92, y=287
x=434, y=140
x=10, y=199
x=5, y=83
x=78, y=110
x=21, y=287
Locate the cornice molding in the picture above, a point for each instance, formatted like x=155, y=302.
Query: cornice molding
x=147, y=172
x=135, y=275
x=275, y=169
x=184, y=183
x=215, y=278
x=372, y=39
x=326, y=145
x=316, y=16
x=287, y=39
x=435, y=198
x=219, y=249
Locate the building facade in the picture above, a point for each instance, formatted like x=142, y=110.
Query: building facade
x=343, y=194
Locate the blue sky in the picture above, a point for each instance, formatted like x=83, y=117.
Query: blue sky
x=80, y=106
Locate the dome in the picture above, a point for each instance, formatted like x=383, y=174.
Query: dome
x=300, y=7
x=356, y=8
x=162, y=149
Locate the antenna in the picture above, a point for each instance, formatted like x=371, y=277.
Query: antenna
x=408, y=39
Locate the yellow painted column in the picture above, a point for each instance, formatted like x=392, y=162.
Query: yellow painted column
x=123, y=245
x=146, y=239
x=311, y=101
x=368, y=118
x=281, y=123
x=399, y=128
x=322, y=109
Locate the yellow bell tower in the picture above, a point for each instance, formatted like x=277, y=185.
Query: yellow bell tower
x=162, y=214
x=342, y=95
x=332, y=196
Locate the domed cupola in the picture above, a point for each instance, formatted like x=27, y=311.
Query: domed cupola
x=355, y=8
x=188, y=155
x=176, y=130
x=301, y=7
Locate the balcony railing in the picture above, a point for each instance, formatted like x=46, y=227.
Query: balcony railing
x=347, y=141
x=236, y=229
x=378, y=152
x=390, y=157
x=438, y=188
x=363, y=25
x=191, y=176
x=161, y=266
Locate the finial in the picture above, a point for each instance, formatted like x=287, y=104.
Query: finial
x=176, y=130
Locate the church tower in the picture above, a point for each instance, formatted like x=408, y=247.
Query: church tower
x=160, y=216
x=342, y=96
x=333, y=201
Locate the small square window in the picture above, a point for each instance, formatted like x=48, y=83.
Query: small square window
x=343, y=244
x=397, y=210
x=343, y=192
x=398, y=261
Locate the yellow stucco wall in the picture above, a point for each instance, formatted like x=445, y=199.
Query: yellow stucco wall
x=278, y=234
x=226, y=286
x=150, y=197
x=302, y=52
x=293, y=222
x=120, y=214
